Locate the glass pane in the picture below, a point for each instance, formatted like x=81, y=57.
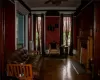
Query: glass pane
x=20, y=30
x=66, y=31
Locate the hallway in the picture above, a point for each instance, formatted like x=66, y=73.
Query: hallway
x=35, y=28
x=60, y=69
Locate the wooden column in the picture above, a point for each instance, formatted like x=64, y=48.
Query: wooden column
x=74, y=33
x=71, y=43
x=30, y=31
x=42, y=33
x=34, y=31
x=61, y=32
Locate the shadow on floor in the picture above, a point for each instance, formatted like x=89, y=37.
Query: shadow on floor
x=56, y=56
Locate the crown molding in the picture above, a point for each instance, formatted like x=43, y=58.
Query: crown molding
x=54, y=8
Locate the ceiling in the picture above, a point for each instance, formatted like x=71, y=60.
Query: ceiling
x=39, y=4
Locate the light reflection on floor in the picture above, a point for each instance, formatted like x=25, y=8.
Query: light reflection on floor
x=59, y=69
x=66, y=72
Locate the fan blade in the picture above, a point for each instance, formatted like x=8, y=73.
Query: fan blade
x=47, y=2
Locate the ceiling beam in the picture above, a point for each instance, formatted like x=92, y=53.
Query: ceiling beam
x=52, y=9
x=26, y=6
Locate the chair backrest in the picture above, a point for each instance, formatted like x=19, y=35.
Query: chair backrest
x=53, y=45
x=21, y=71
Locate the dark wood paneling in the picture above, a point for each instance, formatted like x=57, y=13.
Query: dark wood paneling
x=97, y=39
x=1, y=42
x=85, y=21
x=89, y=18
x=9, y=28
x=83, y=5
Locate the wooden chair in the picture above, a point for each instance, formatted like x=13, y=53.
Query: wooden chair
x=21, y=71
x=54, y=48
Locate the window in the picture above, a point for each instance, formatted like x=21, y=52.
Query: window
x=66, y=31
x=38, y=33
x=20, y=30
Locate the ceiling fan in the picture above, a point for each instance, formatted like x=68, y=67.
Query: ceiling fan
x=57, y=2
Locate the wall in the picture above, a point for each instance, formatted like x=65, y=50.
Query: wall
x=89, y=18
x=52, y=35
x=97, y=39
x=84, y=23
x=9, y=28
x=1, y=43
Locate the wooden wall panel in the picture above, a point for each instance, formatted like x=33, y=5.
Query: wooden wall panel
x=9, y=28
x=97, y=39
x=1, y=42
x=0, y=37
x=84, y=23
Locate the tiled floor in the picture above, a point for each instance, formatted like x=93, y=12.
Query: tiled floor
x=60, y=69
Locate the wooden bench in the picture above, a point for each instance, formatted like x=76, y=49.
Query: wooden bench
x=21, y=71
x=23, y=56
